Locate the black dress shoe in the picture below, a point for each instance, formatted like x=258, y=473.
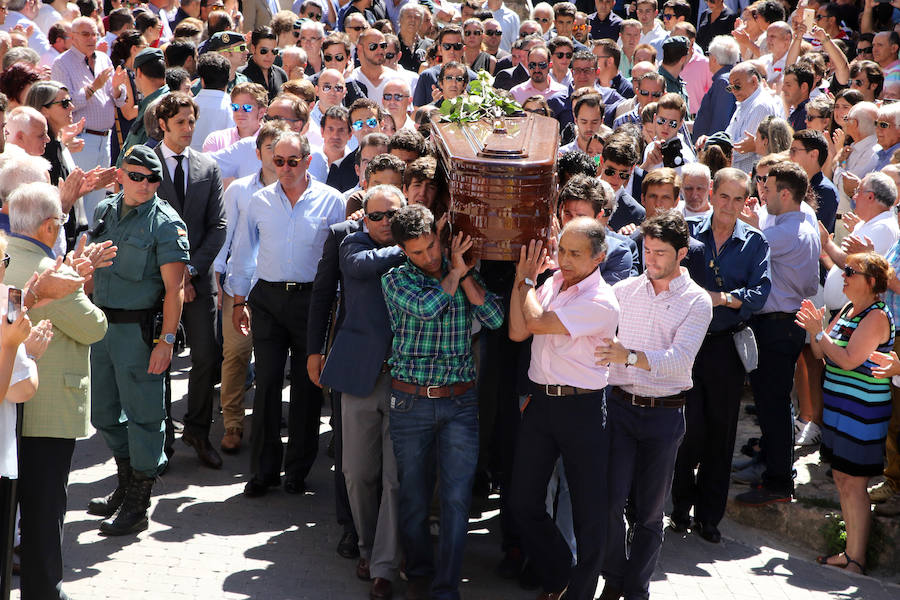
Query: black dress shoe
x=511, y=565
x=679, y=522
x=381, y=589
x=610, y=592
x=362, y=570
x=710, y=533
x=258, y=487
x=205, y=452
x=348, y=547
x=294, y=486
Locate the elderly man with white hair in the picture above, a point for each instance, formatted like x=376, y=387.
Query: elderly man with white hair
x=888, y=134
x=396, y=99
x=27, y=129
x=753, y=105
x=311, y=36
x=718, y=103
x=857, y=159
x=294, y=60
x=695, y=180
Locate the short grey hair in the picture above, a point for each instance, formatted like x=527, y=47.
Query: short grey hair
x=410, y=7
x=725, y=50
x=383, y=189
x=696, y=169
x=84, y=21
x=314, y=26
x=612, y=202
x=32, y=204
x=20, y=118
x=22, y=169
x=865, y=114
x=294, y=136
x=890, y=113
x=882, y=186
x=592, y=229
x=294, y=50
x=16, y=5
x=20, y=54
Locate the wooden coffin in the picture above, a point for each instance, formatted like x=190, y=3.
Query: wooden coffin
x=501, y=177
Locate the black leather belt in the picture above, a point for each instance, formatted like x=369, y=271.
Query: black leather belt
x=773, y=316
x=120, y=315
x=676, y=401
x=564, y=390
x=287, y=286
x=95, y=132
x=730, y=331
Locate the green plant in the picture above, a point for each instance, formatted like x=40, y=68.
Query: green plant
x=835, y=533
x=481, y=102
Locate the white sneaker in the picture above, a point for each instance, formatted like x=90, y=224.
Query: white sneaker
x=809, y=435
x=798, y=425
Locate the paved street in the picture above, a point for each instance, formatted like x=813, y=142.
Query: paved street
x=207, y=541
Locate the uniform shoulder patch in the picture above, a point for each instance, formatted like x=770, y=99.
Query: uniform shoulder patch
x=181, y=231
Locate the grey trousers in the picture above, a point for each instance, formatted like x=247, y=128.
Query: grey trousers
x=369, y=464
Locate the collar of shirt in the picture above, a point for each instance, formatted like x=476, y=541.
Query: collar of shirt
x=740, y=231
x=169, y=155
x=589, y=282
x=885, y=214
x=675, y=286
x=445, y=268
x=794, y=215
x=882, y=154
x=47, y=249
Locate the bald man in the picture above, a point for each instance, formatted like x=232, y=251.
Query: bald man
x=27, y=129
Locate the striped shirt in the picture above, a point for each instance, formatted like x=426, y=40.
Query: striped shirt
x=99, y=110
x=747, y=117
x=668, y=328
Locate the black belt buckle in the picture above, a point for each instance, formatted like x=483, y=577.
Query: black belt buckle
x=290, y=286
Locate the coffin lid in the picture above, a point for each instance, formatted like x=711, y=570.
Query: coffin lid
x=523, y=139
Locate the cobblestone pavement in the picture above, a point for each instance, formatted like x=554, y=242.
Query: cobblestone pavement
x=206, y=541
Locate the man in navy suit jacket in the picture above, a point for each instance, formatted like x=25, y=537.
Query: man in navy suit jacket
x=357, y=367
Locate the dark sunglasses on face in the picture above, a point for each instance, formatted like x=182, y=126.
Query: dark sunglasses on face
x=390, y=55
x=538, y=111
x=6, y=259
x=268, y=118
x=493, y=32
x=245, y=107
x=864, y=50
x=370, y=122
x=646, y=93
x=858, y=82
x=291, y=162
x=474, y=33
x=381, y=214
x=65, y=103
x=239, y=48
x=537, y=65
x=456, y=46
x=314, y=16
x=610, y=172
x=761, y=178
x=327, y=87
x=264, y=51
x=670, y=122
x=667, y=17
x=355, y=28
x=375, y=45
x=607, y=212
x=850, y=271
x=562, y=54
x=459, y=78
x=139, y=177
x=392, y=97
x=810, y=117
x=542, y=19
x=733, y=87
x=335, y=57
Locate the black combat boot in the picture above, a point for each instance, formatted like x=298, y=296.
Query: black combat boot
x=108, y=505
x=132, y=515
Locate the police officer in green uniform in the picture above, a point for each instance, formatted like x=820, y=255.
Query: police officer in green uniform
x=127, y=365
x=150, y=78
x=233, y=46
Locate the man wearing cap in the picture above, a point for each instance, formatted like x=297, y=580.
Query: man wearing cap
x=150, y=77
x=676, y=52
x=145, y=281
x=232, y=46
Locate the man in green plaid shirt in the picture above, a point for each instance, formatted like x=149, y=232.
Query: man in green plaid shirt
x=432, y=303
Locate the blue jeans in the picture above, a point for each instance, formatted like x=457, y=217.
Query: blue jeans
x=428, y=433
x=95, y=153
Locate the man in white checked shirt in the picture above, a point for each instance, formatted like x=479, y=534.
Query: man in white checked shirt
x=663, y=320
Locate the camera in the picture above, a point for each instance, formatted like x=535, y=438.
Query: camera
x=671, y=152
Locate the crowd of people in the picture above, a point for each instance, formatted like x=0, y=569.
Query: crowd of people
x=259, y=181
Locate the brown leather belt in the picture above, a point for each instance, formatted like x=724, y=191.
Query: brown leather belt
x=433, y=391
x=676, y=401
x=95, y=132
x=564, y=390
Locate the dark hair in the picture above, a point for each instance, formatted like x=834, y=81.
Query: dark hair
x=790, y=176
x=171, y=104
x=376, y=138
x=611, y=48
x=421, y=169
x=270, y=130
x=144, y=20
x=583, y=188
x=122, y=45
x=715, y=157
x=178, y=51
x=674, y=52
x=411, y=222
x=263, y=32
x=591, y=99
x=409, y=140
x=448, y=30
x=119, y=18
x=214, y=70
x=4, y=102
x=573, y=163
x=56, y=32
x=620, y=149
x=679, y=7
x=385, y=162
x=585, y=55
x=558, y=41
x=87, y=7
x=153, y=69
x=874, y=73
x=175, y=77
x=337, y=38
x=453, y=65
x=362, y=103
x=218, y=20
x=804, y=74
x=669, y=227
x=336, y=112
x=564, y=9
x=16, y=78
x=813, y=140
x=771, y=11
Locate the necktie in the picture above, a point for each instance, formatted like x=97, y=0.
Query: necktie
x=179, y=180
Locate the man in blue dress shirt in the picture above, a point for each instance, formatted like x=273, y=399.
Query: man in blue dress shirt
x=278, y=241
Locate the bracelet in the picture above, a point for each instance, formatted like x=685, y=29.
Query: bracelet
x=31, y=357
x=239, y=304
x=33, y=293
x=469, y=272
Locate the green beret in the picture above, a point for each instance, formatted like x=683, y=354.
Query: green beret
x=224, y=39
x=143, y=156
x=148, y=55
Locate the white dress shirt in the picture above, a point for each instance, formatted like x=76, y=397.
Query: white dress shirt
x=215, y=113
x=172, y=163
x=862, y=159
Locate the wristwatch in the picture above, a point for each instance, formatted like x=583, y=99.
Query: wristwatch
x=168, y=338
x=632, y=358
x=529, y=282
x=728, y=298
x=192, y=270
x=819, y=336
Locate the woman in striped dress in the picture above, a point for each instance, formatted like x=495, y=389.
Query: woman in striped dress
x=857, y=403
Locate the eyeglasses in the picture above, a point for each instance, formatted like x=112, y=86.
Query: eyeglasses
x=370, y=122
x=313, y=16
x=139, y=177
x=264, y=51
x=381, y=214
x=623, y=175
x=269, y=118
x=393, y=97
x=355, y=27
x=65, y=103
x=87, y=33
x=459, y=78
x=376, y=45
x=309, y=40
x=850, y=272
x=562, y=54
x=245, y=107
x=292, y=162
x=493, y=32
x=390, y=55
x=864, y=50
x=582, y=27
x=335, y=57
x=811, y=117
x=328, y=87
x=474, y=32
x=6, y=257
x=584, y=71
x=793, y=150
x=646, y=93
x=239, y=48
x=670, y=122
x=538, y=65
x=542, y=19
x=666, y=17
x=883, y=124
x=455, y=46
x=733, y=87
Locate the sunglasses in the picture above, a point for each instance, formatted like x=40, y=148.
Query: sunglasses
x=850, y=272
x=245, y=107
x=390, y=55
x=393, y=97
x=667, y=17
x=494, y=32
x=542, y=19
x=274, y=51
x=459, y=78
x=65, y=103
x=580, y=28
x=381, y=214
x=139, y=177
x=858, y=82
x=331, y=57
x=538, y=111
x=883, y=124
x=646, y=93
x=292, y=162
x=538, y=65
x=610, y=172
x=309, y=40
x=376, y=45
x=355, y=28
x=607, y=212
x=269, y=118
x=810, y=117
x=313, y=16
x=6, y=259
x=370, y=122
x=864, y=50
x=327, y=87
x=761, y=178
x=448, y=46
x=474, y=32
x=240, y=48
x=562, y=54
x=670, y=122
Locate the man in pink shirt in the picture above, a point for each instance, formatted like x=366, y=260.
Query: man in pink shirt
x=663, y=320
x=696, y=74
x=569, y=315
x=248, y=103
x=540, y=83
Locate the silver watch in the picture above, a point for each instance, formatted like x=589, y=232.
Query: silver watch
x=632, y=358
x=819, y=336
x=168, y=338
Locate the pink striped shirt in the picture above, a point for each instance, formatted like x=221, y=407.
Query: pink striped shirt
x=589, y=311
x=669, y=328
